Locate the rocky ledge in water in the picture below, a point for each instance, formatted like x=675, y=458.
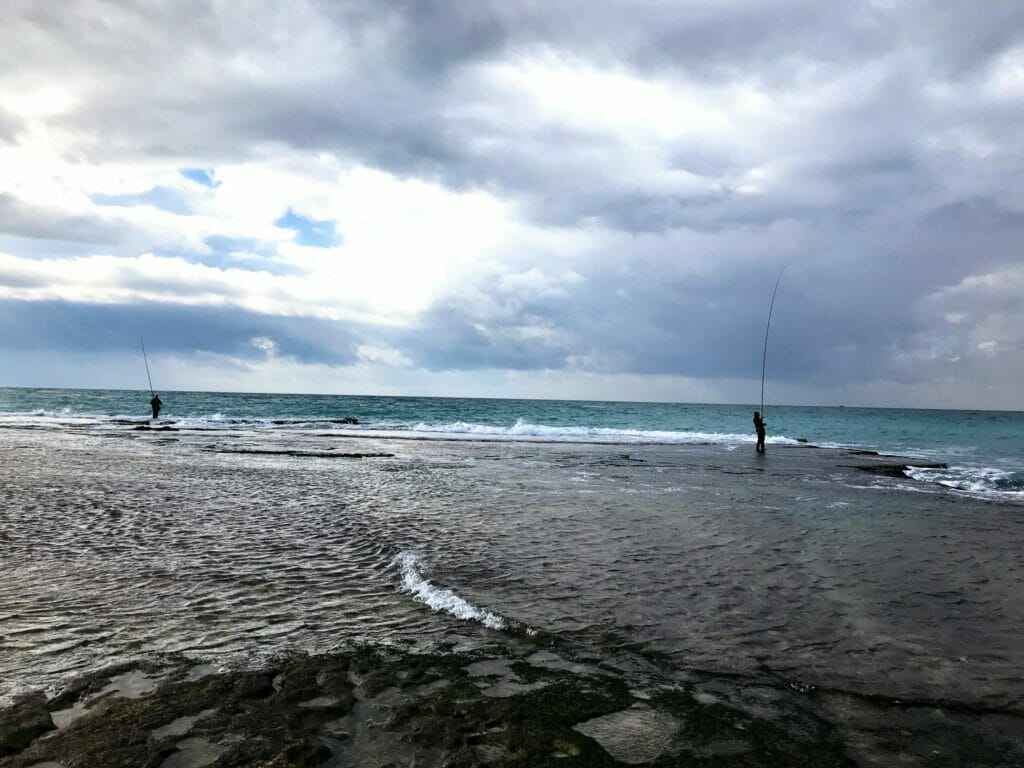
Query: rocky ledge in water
x=519, y=706
x=326, y=454
x=890, y=466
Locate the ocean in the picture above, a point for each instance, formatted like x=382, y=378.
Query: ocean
x=984, y=450
x=239, y=526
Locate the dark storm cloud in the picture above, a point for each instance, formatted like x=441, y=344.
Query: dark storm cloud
x=167, y=328
x=706, y=326
x=451, y=337
x=388, y=92
x=23, y=220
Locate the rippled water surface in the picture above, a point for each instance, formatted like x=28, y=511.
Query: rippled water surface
x=116, y=543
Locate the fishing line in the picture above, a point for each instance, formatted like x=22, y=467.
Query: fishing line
x=150, y=378
x=764, y=354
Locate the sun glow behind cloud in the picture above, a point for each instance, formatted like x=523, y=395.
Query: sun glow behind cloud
x=405, y=242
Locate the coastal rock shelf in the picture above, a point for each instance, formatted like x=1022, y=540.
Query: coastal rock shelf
x=457, y=602
x=306, y=454
x=506, y=705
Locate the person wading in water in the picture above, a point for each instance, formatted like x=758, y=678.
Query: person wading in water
x=759, y=425
x=155, y=404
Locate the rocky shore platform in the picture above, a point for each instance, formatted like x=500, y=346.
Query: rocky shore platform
x=524, y=703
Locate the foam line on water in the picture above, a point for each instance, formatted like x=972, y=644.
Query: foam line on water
x=985, y=481
x=441, y=599
x=523, y=430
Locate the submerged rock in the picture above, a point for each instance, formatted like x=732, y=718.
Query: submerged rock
x=633, y=736
x=897, y=470
x=328, y=454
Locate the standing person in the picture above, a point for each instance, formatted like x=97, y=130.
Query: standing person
x=759, y=425
x=155, y=404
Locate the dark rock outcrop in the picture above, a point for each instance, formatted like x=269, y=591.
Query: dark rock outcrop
x=897, y=470
x=21, y=723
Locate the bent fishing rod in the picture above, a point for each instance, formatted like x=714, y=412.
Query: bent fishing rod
x=764, y=354
x=150, y=378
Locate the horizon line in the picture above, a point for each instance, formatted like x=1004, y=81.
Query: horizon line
x=515, y=399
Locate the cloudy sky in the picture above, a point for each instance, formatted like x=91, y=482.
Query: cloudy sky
x=537, y=199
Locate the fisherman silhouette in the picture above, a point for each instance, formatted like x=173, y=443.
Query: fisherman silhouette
x=155, y=403
x=759, y=425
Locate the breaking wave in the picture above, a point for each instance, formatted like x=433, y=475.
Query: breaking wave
x=525, y=431
x=520, y=431
x=441, y=599
x=988, y=482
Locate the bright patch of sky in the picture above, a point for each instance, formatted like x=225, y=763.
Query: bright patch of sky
x=199, y=176
x=318, y=234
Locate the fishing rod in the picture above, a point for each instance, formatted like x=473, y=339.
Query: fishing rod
x=764, y=355
x=150, y=378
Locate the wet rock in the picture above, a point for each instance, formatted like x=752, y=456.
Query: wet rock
x=194, y=753
x=633, y=736
x=376, y=707
x=21, y=723
x=504, y=689
x=327, y=703
x=254, y=685
x=305, y=454
x=333, y=681
x=308, y=752
x=62, y=718
x=89, y=686
x=132, y=684
x=181, y=725
x=897, y=470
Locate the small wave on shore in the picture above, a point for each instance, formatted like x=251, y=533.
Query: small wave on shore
x=441, y=599
x=204, y=422
x=520, y=431
x=987, y=482
x=529, y=432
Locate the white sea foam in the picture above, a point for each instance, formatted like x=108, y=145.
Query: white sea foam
x=63, y=413
x=525, y=431
x=45, y=418
x=520, y=431
x=985, y=481
x=439, y=598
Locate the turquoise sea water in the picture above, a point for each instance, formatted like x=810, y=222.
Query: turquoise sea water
x=983, y=449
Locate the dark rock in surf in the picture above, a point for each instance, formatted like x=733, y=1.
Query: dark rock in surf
x=254, y=685
x=305, y=454
x=21, y=723
x=897, y=470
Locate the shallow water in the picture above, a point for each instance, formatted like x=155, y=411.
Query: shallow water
x=982, y=448
x=116, y=544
